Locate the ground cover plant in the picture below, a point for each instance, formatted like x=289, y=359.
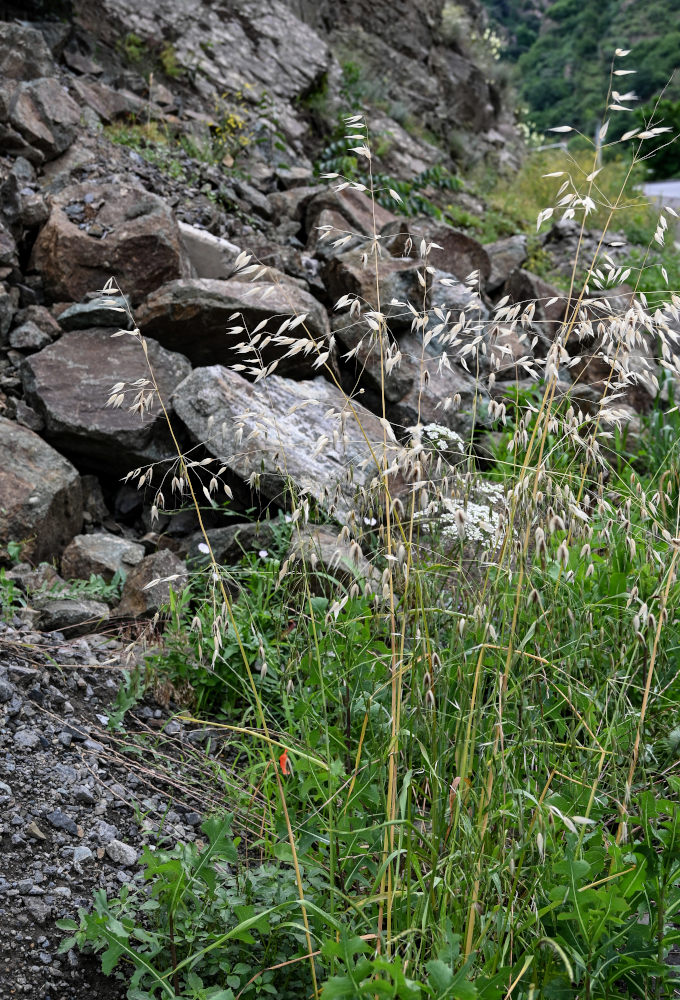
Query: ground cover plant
x=454, y=767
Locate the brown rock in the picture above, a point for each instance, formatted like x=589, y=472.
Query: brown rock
x=192, y=316
x=138, y=599
x=459, y=255
x=141, y=248
x=45, y=117
x=347, y=275
x=40, y=495
x=69, y=383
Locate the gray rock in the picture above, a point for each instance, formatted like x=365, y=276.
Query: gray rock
x=329, y=560
x=29, y=337
x=27, y=739
x=60, y=821
x=24, y=54
x=40, y=494
x=72, y=616
x=27, y=417
x=6, y=691
x=121, y=854
x=192, y=316
x=84, y=794
x=81, y=854
x=104, y=832
x=38, y=909
x=209, y=256
x=101, y=553
x=221, y=409
x=109, y=311
x=41, y=118
x=138, y=599
x=505, y=255
x=69, y=383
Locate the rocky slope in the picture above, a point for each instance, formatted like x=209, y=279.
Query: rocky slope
x=153, y=146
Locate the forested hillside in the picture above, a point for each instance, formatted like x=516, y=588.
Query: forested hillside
x=563, y=52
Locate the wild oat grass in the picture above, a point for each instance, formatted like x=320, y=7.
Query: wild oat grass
x=466, y=764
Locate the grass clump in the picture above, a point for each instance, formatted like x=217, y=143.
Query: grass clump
x=458, y=767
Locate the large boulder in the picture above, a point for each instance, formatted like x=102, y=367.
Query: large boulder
x=38, y=119
x=69, y=383
x=24, y=54
x=192, y=316
x=455, y=252
x=98, y=231
x=420, y=388
x=41, y=501
x=398, y=284
x=281, y=431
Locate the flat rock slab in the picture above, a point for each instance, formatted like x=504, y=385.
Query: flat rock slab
x=98, y=231
x=72, y=616
x=192, y=316
x=100, y=553
x=41, y=500
x=281, y=431
x=69, y=382
x=106, y=311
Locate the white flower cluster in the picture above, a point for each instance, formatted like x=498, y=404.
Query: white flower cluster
x=477, y=520
x=443, y=438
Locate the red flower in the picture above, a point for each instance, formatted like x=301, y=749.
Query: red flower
x=285, y=763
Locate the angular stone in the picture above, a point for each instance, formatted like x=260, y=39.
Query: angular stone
x=551, y=304
x=24, y=54
x=100, y=553
x=108, y=103
x=8, y=248
x=347, y=275
x=288, y=421
x=44, y=115
x=139, y=600
x=192, y=316
x=505, y=255
x=40, y=494
x=141, y=247
x=347, y=211
x=209, y=256
x=42, y=318
x=69, y=383
x=29, y=337
x=328, y=558
x=72, y=616
x=121, y=854
x=459, y=255
x=107, y=311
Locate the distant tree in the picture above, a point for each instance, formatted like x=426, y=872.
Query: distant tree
x=665, y=162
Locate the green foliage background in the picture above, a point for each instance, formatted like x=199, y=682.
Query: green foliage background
x=563, y=51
